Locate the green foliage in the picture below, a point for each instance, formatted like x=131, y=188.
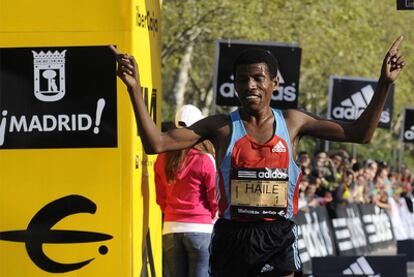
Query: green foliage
x=345, y=38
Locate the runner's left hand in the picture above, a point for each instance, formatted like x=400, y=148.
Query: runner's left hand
x=393, y=61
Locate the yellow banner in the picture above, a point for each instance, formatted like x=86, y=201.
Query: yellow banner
x=73, y=202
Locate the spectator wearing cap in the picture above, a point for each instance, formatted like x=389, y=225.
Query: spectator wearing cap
x=185, y=192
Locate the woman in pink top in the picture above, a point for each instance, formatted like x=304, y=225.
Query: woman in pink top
x=185, y=186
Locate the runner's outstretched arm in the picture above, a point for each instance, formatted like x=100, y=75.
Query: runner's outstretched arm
x=361, y=130
x=153, y=140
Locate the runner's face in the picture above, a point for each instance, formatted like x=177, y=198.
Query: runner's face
x=254, y=86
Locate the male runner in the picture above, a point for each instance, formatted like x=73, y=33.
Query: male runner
x=255, y=149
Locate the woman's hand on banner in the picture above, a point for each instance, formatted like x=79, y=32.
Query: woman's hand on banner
x=393, y=61
x=127, y=68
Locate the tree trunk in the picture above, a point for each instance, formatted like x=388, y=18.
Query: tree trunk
x=181, y=78
x=208, y=108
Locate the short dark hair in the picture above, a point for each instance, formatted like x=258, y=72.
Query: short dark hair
x=356, y=166
x=257, y=55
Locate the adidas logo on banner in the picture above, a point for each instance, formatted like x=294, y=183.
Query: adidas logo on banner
x=279, y=147
x=352, y=107
x=360, y=267
x=285, y=92
x=409, y=134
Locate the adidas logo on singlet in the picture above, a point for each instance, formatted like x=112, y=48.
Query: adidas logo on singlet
x=279, y=147
x=266, y=173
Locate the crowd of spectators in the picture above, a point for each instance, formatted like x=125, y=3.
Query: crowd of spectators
x=334, y=179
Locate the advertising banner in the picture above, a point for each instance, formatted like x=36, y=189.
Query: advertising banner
x=408, y=127
x=315, y=235
x=377, y=225
x=349, y=231
x=375, y=266
x=288, y=56
x=77, y=191
x=405, y=4
x=57, y=97
x=406, y=247
x=349, y=96
x=356, y=230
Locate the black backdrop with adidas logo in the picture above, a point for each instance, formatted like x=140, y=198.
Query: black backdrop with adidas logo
x=408, y=127
x=349, y=96
x=288, y=56
x=372, y=266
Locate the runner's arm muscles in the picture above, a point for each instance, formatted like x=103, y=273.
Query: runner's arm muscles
x=309, y=124
x=153, y=140
x=359, y=131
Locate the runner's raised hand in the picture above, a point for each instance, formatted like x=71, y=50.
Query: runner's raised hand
x=393, y=61
x=127, y=68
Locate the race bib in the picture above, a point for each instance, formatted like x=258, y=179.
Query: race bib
x=259, y=193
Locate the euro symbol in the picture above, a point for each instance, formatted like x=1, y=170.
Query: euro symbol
x=39, y=232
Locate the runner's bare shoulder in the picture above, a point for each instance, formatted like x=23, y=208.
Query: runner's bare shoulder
x=219, y=125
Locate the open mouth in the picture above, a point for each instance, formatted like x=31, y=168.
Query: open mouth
x=252, y=97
